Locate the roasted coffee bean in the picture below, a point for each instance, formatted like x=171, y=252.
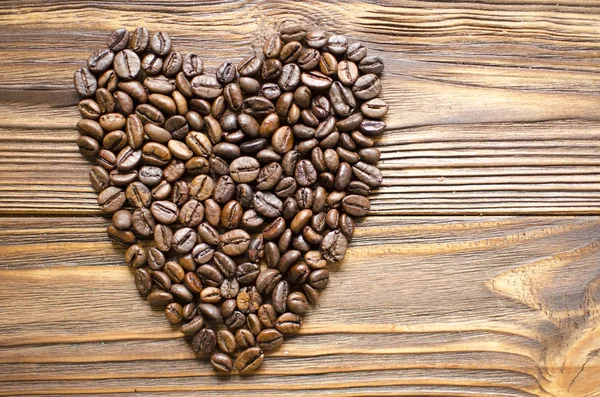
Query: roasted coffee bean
x=316, y=80
x=127, y=64
x=111, y=199
x=89, y=109
x=311, y=294
x=319, y=279
x=212, y=212
x=287, y=260
x=115, y=141
x=298, y=273
x=368, y=174
x=235, y=320
x=211, y=294
x=288, y=323
x=183, y=240
x=337, y=44
x=250, y=66
x=286, y=187
x=159, y=298
x=160, y=43
x=206, y=86
x=356, y=205
x=291, y=30
x=267, y=204
x=123, y=103
x=271, y=254
x=290, y=52
x=247, y=272
x=226, y=341
x=249, y=85
x=143, y=281
x=279, y=296
x=231, y=215
x=135, y=256
x=367, y=87
x=248, y=300
x=156, y=259
x=309, y=59
x=173, y=313
x=268, y=156
x=297, y=303
x=204, y=341
x=221, y=362
x=316, y=39
x=203, y=253
x=164, y=211
x=152, y=64
x=88, y=146
x=271, y=69
x=343, y=176
x=244, y=338
x=269, y=339
x=272, y=46
x=195, y=325
x=249, y=360
x=342, y=99
x=371, y=64
x=289, y=78
x=139, y=40
x=197, y=165
x=328, y=64
x=118, y=39
x=267, y=315
x=85, y=82
x=162, y=237
x=256, y=106
x=224, y=189
x=334, y=246
x=209, y=311
x=255, y=249
x=271, y=91
x=124, y=237
x=235, y=242
x=269, y=176
x=189, y=312
x=305, y=173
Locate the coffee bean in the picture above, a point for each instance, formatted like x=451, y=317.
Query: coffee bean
x=244, y=338
x=316, y=39
x=226, y=341
x=206, y=86
x=287, y=260
x=139, y=40
x=328, y=64
x=204, y=341
x=305, y=173
x=127, y=64
x=337, y=44
x=162, y=237
x=235, y=242
x=118, y=39
x=159, y=298
x=85, y=82
x=249, y=85
x=156, y=259
x=288, y=323
x=267, y=204
x=291, y=30
x=249, y=360
x=279, y=296
x=111, y=199
x=250, y=66
x=221, y=362
x=248, y=300
x=88, y=146
x=289, y=77
x=247, y=272
x=123, y=237
x=367, y=87
x=257, y=106
x=272, y=46
x=89, y=109
x=334, y=246
x=297, y=303
x=100, y=60
x=235, y=320
x=184, y=240
x=210, y=311
x=271, y=69
x=173, y=313
x=367, y=173
x=316, y=80
x=342, y=99
x=143, y=281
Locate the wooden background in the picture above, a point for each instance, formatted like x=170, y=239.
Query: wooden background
x=477, y=274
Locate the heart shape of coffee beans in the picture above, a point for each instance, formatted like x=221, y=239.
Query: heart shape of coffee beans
x=232, y=190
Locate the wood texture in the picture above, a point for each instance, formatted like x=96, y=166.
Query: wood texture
x=482, y=278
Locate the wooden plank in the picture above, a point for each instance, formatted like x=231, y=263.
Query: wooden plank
x=489, y=306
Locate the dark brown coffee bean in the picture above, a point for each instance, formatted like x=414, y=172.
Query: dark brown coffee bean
x=88, y=146
x=274, y=229
x=312, y=295
x=143, y=222
x=249, y=360
x=195, y=325
x=212, y=212
x=356, y=51
x=226, y=341
x=319, y=279
x=143, y=281
x=268, y=156
x=356, y=205
x=367, y=87
x=250, y=66
x=183, y=240
x=316, y=39
x=272, y=254
x=159, y=298
x=268, y=204
x=291, y=30
x=189, y=312
x=202, y=253
x=209, y=275
x=271, y=91
x=221, y=362
x=204, y=341
x=160, y=43
x=210, y=311
x=244, y=338
x=286, y=187
x=347, y=72
x=89, y=109
x=127, y=64
x=297, y=303
x=115, y=141
x=287, y=260
x=334, y=245
x=309, y=59
x=118, y=39
x=279, y=296
x=235, y=320
x=85, y=82
x=173, y=313
x=267, y=315
x=371, y=64
x=152, y=64
x=289, y=78
x=271, y=69
x=211, y=294
x=247, y=272
x=111, y=199
x=298, y=274
x=269, y=176
x=349, y=123
x=156, y=259
x=342, y=99
x=328, y=64
x=135, y=256
x=206, y=86
x=316, y=80
x=252, y=220
x=256, y=106
x=343, y=176
x=248, y=300
x=305, y=198
x=244, y=194
x=197, y=165
x=249, y=85
x=124, y=237
x=162, y=237
x=272, y=46
x=368, y=174
x=288, y=323
x=235, y=242
x=300, y=220
x=164, y=211
x=305, y=173
x=289, y=161
x=139, y=40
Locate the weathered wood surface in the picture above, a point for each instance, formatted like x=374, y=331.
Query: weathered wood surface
x=495, y=112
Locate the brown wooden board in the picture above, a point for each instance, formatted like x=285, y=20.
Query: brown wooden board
x=477, y=274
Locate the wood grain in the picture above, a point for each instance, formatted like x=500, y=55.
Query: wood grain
x=494, y=113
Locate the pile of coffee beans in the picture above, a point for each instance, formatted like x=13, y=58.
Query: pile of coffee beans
x=234, y=189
